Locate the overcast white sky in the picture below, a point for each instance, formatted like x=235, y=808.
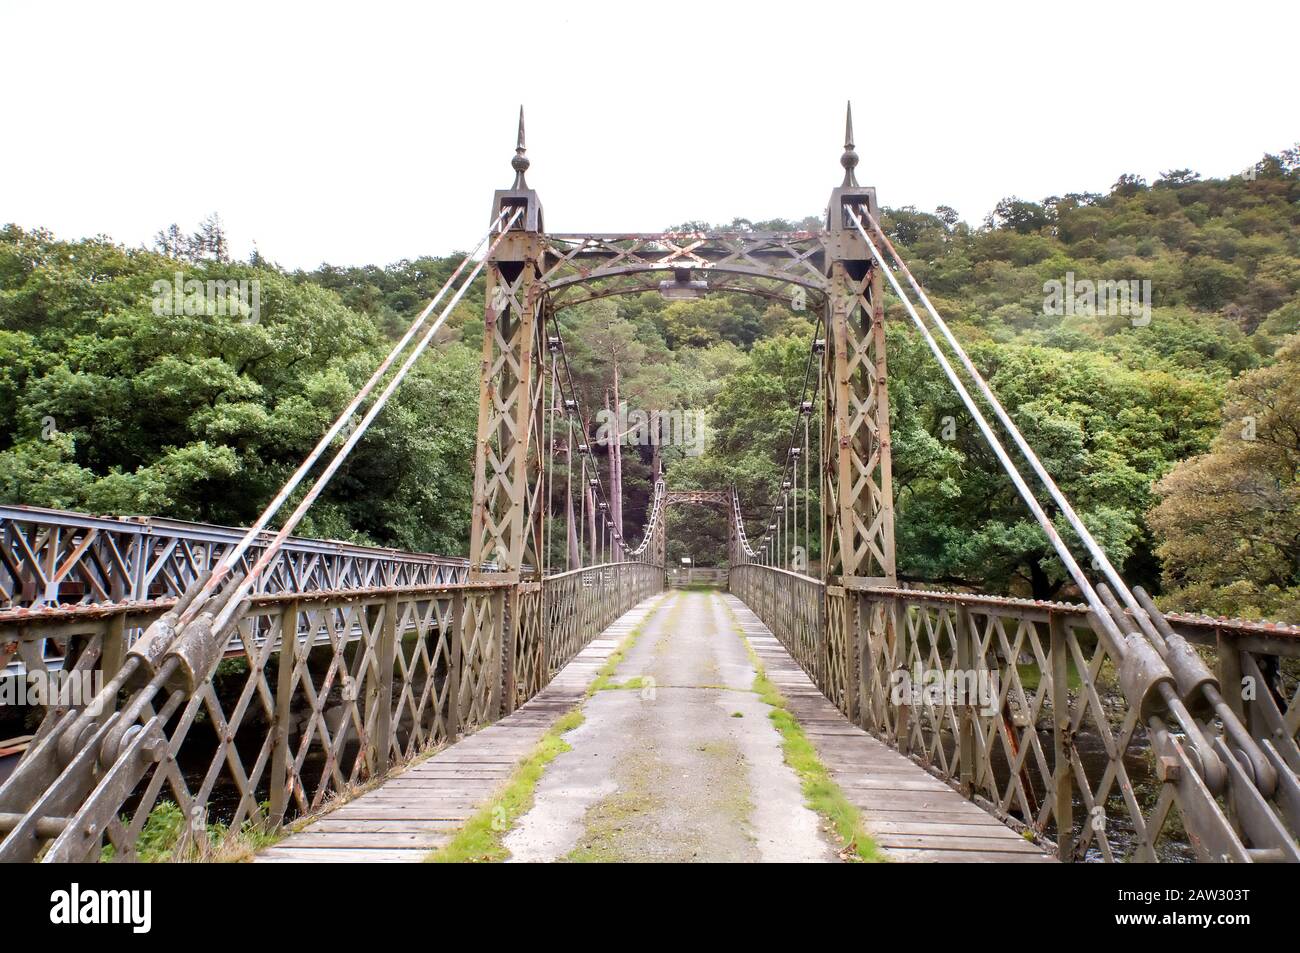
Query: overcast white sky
x=365, y=132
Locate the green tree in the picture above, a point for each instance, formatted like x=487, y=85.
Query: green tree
x=1228, y=521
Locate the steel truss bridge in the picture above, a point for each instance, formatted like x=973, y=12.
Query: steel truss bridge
x=342, y=662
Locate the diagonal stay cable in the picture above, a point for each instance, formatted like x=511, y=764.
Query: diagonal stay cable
x=1142, y=609
x=803, y=399
x=1121, y=644
x=232, y=605
x=570, y=395
x=232, y=556
x=1094, y=548
x=794, y=429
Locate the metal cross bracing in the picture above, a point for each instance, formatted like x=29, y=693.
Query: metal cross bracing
x=326, y=690
x=578, y=268
x=1055, y=748
x=1046, y=682
x=52, y=557
x=718, y=498
x=57, y=557
x=533, y=274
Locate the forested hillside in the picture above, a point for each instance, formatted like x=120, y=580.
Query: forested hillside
x=1177, y=438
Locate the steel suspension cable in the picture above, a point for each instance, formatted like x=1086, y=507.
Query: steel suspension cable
x=1141, y=607
x=1067, y=558
x=571, y=395
x=548, y=525
x=1101, y=613
x=582, y=522
x=224, y=605
x=770, y=534
x=1067, y=510
x=794, y=494
x=807, y=488
x=232, y=556
x=568, y=494
x=232, y=605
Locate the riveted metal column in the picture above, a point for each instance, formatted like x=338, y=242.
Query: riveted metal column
x=281, y=756
x=506, y=523
x=381, y=738
x=857, y=474
x=506, y=520
x=455, y=653
x=1062, y=740
x=965, y=633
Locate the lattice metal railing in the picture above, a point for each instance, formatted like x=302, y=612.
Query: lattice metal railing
x=1026, y=708
x=791, y=605
x=305, y=698
x=58, y=557
x=364, y=679
x=50, y=557
x=581, y=603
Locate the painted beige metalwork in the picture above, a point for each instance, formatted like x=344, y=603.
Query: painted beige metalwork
x=1043, y=730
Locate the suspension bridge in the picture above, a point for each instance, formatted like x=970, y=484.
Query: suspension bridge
x=366, y=703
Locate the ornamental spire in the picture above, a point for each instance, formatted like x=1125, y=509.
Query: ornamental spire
x=850, y=158
x=520, y=162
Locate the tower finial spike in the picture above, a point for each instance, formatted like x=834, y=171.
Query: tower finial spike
x=520, y=162
x=850, y=158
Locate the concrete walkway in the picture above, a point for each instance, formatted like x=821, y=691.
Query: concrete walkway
x=675, y=761
x=912, y=816
x=679, y=764
x=420, y=808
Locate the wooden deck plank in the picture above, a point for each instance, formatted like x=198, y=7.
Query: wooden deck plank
x=962, y=841
x=307, y=855
x=371, y=840
x=967, y=857
x=420, y=808
x=912, y=815
x=341, y=825
x=936, y=828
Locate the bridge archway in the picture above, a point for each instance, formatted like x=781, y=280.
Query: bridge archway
x=783, y=266
x=719, y=499
x=532, y=274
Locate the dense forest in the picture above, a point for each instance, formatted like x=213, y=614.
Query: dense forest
x=1177, y=437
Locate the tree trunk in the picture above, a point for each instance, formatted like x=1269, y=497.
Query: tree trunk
x=616, y=462
x=1042, y=586
x=572, y=548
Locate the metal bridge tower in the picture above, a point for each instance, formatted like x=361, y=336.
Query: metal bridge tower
x=531, y=273
x=857, y=503
x=506, y=523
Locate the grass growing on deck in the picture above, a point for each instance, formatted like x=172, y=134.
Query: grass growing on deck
x=821, y=793
x=482, y=838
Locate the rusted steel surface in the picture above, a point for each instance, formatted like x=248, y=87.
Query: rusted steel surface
x=1061, y=745
x=21, y=615
x=48, y=557
x=1103, y=733
x=1195, y=623
x=320, y=693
